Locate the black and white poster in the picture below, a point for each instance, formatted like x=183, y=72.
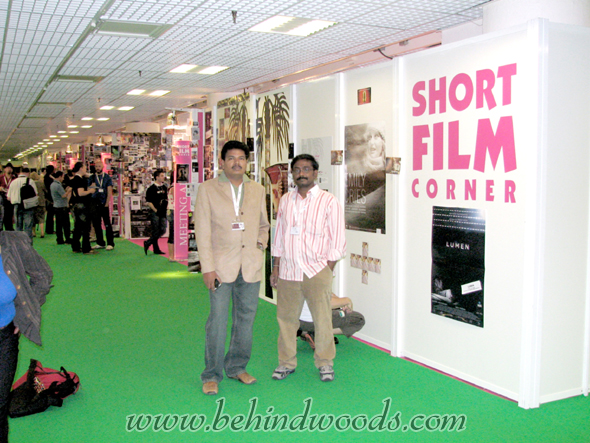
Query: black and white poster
x=458, y=263
x=365, y=177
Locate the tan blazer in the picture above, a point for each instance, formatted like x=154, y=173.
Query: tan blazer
x=222, y=249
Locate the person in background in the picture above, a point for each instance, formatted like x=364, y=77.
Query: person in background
x=6, y=179
x=24, y=217
x=100, y=202
x=39, y=212
x=60, y=198
x=157, y=200
x=345, y=321
x=81, y=194
x=47, y=180
x=170, y=218
x=21, y=298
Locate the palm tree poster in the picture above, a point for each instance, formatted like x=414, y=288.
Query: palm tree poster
x=233, y=119
x=273, y=135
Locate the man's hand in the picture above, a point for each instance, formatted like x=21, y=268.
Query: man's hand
x=209, y=279
x=274, y=277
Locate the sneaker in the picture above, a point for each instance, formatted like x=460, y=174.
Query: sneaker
x=308, y=337
x=326, y=373
x=110, y=248
x=282, y=372
x=98, y=247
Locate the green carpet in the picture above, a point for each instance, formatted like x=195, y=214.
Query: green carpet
x=132, y=327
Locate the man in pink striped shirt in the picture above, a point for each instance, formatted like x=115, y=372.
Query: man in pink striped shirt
x=309, y=240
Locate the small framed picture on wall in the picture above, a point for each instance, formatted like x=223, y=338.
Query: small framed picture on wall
x=364, y=96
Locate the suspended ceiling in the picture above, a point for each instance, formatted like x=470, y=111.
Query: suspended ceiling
x=45, y=41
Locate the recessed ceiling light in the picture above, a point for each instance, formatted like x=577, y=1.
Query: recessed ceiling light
x=86, y=126
x=126, y=108
x=291, y=26
x=87, y=118
x=103, y=119
x=52, y=136
x=49, y=143
x=120, y=28
x=213, y=70
x=74, y=132
x=64, y=136
x=72, y=126
x=183, y=69
x=78, y=78
x=159, y=93
x=61, y=132
x=45, y=139
x=136, y=92
x=107, y=108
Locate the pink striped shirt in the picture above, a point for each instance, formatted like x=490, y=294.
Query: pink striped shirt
x=319, y=219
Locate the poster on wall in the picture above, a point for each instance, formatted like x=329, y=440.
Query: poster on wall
x=458, y=264
x=320, y=148
x=364, y=157
x=233, y=119
x=273, y=136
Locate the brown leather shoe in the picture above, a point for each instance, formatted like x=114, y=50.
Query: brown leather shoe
x=210, y=388
x=245, y=378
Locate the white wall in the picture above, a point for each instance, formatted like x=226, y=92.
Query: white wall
x=567, y=207
x=374, y=300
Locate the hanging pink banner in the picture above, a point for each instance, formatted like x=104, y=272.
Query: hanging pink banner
x=182, y=206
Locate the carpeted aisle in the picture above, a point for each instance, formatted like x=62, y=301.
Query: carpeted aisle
x=132, y=327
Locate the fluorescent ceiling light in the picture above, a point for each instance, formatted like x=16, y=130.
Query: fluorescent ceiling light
x=45, y=139
x=159, y=93
x=291, y=26
x=107, y=108
x=87, y=118
x=72, y=126
x=103, y=119
x=120, y=28
x=86, y=126
x=61, y=132
x=52, y=136
x=183, y=69
x=74, y=132
x=49, y=143
x=64, y=136
x=126, y=108
x=78, y=78
x=136, y=92
x=213, y=70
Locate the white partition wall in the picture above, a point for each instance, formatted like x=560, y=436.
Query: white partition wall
x=499, y=124
x=373, y=298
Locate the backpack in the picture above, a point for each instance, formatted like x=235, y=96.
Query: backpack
x=28, y=196
x=40, y=388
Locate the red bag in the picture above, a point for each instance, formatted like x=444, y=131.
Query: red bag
x=40, y=388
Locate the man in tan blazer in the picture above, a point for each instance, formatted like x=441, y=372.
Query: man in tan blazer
x=232, y=233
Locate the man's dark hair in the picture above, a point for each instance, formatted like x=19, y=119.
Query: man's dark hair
x=49, y=169
x=157, y=172
x=309, y=157
x=9, y=165
x=77, y=167
x=25, y=170
x=57, y=174
x=234, y=144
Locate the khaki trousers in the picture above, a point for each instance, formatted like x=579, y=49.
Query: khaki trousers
x=317, y=291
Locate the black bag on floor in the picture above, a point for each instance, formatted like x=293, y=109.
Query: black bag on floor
x=40, y=388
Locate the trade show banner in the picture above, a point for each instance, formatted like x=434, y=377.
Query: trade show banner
x=182, y=204
x=467, y=155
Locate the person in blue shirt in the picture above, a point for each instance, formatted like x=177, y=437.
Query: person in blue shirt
x=99, y=210
x=25, y=280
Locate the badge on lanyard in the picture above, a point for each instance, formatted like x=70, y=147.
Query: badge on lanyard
x=237, y=225
x=295, y=230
